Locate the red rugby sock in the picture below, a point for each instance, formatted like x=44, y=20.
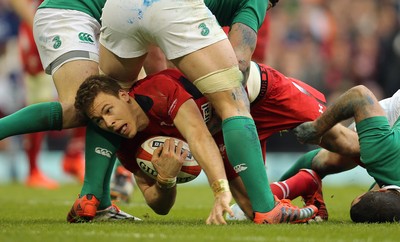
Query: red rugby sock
x=301, y=184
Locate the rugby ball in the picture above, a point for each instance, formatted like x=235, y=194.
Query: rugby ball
x=190, y=168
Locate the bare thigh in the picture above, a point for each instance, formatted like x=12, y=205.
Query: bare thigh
x=67, y=79
x=218, y=56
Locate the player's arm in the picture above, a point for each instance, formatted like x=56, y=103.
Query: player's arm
x=160, y=193
x=202, y=145
x=160, y=200
x=358, y=102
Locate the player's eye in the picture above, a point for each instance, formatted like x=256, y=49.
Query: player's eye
x=102, y=124
x=108, y=110
x=98, y=121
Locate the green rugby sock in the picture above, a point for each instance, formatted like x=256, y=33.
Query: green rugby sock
x=105, y=200
x=304, y=162
x=33, y=118
x=100, y=158
x=244, y=152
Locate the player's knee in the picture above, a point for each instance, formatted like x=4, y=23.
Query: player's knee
x=221, y=80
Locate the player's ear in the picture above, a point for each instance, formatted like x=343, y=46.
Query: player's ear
x=124, y=95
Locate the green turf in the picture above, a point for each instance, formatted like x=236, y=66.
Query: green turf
x=39, y=215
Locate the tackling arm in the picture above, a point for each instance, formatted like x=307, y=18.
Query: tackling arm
x=202, y=145
x=358, y=102
x=158, y=199
x=160, y=193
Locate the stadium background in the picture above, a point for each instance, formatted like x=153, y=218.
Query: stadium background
x=330, y=44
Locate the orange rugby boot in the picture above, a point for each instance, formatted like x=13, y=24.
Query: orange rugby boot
x=84, y=209
x=285, y=212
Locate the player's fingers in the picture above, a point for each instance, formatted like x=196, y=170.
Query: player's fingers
x=171, y=144
x=184, y=154
x=229, y=211
x=212, y=219
x=179, y=147
x=208, y=221
x=181, y=152
x=157, y=153
x=216, y=216
x=220, y=219
x=167, y=144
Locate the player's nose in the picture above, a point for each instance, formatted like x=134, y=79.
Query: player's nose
x=110, y=123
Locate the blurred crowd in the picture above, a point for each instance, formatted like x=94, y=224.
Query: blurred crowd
x=23, y=82
x=329, y=44
x=336, y=44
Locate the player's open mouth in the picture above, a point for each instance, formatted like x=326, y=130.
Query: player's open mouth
x=123, y=129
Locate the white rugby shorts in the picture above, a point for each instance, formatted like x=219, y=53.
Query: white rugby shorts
x=178, y=27
x=63, y=35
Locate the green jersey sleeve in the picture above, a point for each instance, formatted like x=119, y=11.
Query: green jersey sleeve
x=91, y=7
x=249, y=12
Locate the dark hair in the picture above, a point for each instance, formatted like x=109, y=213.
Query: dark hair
x=377, y=207
x=88, y=91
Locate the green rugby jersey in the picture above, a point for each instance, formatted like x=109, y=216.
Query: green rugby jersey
x=91, y=7
x=248, y=12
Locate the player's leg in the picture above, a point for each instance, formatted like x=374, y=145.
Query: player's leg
x=38, y=89
x=218, y=77
x=36, y=178
x=240, y=134
x=119, y=68
x=214, y=67
x=305, y=183
x=323, y=162
x=122, y=183
x=69, y=65
x=98, y=147
x=73, y=161
x=155, y=61
x=97, y=162
x=304, y=162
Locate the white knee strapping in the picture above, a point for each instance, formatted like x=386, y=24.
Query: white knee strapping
x=220, y=80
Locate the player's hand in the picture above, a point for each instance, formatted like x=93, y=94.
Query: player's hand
x=221, y=206
x=307, y=133
x=168, y=159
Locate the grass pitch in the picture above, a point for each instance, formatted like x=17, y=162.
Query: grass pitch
x=39, y=215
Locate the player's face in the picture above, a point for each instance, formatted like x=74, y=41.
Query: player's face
x=115, y=114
